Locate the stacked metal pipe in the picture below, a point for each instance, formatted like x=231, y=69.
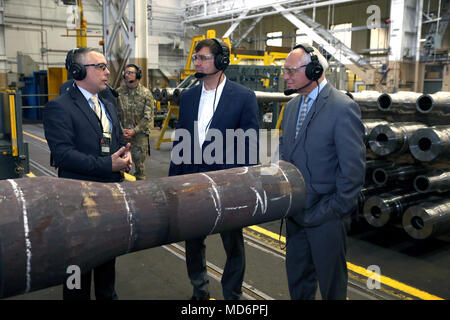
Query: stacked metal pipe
x=388, y=139
x=427, y=219
x=430, y=143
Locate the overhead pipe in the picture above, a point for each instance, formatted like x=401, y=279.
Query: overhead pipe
x=388, y=207
x=436, y=180
x=427, y=219
x=387, y=139
x=48, y=224
x=430, y=143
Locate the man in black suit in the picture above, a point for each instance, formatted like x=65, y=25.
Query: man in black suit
x=207, y=110
x=86, y=143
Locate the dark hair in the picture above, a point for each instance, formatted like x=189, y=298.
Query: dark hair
x=211, y=44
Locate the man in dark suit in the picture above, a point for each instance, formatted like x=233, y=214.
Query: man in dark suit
x=86, y=143
x=206, y=111
x=322, y=135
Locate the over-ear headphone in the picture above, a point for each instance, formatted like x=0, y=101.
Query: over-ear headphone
x=221, y=59
x=314, y=69
x=77, y=70
x=138, y=71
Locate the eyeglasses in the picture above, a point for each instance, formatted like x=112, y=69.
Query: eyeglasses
x=202, y=57
x=291, y=70
x=101, y=66
x=130, y=72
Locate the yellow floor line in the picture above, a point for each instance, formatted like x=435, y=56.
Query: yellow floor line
x=36, y=137
x=363, y=271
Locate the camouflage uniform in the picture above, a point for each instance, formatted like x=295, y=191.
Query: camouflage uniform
x=136, y=112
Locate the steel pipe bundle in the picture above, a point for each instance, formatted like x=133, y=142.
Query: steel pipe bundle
x=369, y=124
x=380, y=209
x=401, y=174
x=439, y=102
x=371, y=165
x=431, y=218
x=436, y=180
x=387, y=139
x=431, y=143
x=48, y=224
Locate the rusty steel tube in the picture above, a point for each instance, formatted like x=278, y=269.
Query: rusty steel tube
x=430, y=218
x=437, y=180
x=438, y=102
x=429, y=144
x=48, y=224
x=392, y=138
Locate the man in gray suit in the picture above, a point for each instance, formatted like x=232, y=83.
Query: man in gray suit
x=322, y=136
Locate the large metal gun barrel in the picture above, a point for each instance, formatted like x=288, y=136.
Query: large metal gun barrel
x=48, y=224
x=263, y=96
x=431, y=218
x=392, y=138
x=367, y=100
x=401, y=99
x=402, y=174
x=367, y=192
x=437, y=180
x=372, y=165
x=438, y=102
x=379, y=210
x=429, y=144
x=369, y=124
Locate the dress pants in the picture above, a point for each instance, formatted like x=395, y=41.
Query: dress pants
x=233, y=273
x=104, y=279
x=317, y=254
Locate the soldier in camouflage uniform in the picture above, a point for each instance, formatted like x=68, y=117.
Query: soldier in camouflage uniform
x=135, y=115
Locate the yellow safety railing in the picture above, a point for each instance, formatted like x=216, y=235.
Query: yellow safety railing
x=12, y=111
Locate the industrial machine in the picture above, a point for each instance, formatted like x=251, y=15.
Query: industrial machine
x=14, y=160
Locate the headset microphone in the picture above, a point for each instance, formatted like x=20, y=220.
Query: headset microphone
x=131, y=81
x=200, y=75
x=288, y=92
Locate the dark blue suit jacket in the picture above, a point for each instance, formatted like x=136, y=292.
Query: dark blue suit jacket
x=237, y=109
x=73, y=134
x=329, y=152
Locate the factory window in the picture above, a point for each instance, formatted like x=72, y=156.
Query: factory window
x=276, y=42
x=301, y=37
x=342, y=32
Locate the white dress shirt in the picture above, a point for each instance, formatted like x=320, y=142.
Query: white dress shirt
x=206, y=109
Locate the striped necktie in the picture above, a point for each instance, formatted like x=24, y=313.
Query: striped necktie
x=102, y=116
x=302, y=115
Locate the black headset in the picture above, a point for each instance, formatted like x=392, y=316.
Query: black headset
x=314, y=69
x=138, y=71
x=222, y=58
x=76, y=70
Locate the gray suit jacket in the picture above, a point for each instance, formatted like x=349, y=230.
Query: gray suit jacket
x=329, y=152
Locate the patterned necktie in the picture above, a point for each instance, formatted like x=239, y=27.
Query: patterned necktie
x=102, y=116
x=302, y=115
